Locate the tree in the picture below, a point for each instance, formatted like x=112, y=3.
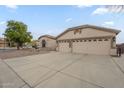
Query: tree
x=17, y=32
x=115, y=8
x=35, y=44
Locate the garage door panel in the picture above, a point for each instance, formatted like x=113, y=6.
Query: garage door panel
x=64, y=47
x=92, y=47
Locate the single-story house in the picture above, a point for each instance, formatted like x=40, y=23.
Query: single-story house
x=47, y=41
x=88, y=39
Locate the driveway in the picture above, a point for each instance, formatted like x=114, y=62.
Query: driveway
x=62, y=70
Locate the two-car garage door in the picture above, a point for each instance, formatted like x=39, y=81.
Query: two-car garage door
x=101, y=46
x=92, y=47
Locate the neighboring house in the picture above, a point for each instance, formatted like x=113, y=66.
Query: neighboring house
x=47, y=41
x=121, y=46
x=88, y=39
x=3, y=43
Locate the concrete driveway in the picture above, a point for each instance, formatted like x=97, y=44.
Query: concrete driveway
x=62, y=70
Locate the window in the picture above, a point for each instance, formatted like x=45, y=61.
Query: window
x=77, y=31
x=94, y=40
x=85, y=40
x=77, y=40
x=105, y=39
x=89, y=40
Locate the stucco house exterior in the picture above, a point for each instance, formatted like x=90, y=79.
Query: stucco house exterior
x=88, y=39
x=47, y=41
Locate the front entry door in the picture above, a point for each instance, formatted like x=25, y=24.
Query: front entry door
x=43, y=43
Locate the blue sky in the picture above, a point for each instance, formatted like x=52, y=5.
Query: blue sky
x=53, y=20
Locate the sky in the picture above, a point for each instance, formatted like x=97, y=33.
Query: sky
x=54, y=19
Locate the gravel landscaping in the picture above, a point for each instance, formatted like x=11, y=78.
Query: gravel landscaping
x=11, y=53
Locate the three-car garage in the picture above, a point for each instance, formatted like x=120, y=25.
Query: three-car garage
x=88, y=39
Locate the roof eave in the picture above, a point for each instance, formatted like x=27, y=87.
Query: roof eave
x=90, y=26
x=47, y=36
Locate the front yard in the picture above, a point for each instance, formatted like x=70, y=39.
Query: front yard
x=13, y=52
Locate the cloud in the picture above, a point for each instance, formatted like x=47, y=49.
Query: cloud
x=100, y=11
x=12, y=6
x=83, y=6
x=68, y=20
x=2, y=22
x=108, y=23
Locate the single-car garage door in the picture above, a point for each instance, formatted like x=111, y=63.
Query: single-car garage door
x=95, y=46
x=64, y=47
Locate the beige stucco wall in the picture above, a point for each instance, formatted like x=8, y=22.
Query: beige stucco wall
x=113, y=51
x=87, y=32
x=50, y=43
